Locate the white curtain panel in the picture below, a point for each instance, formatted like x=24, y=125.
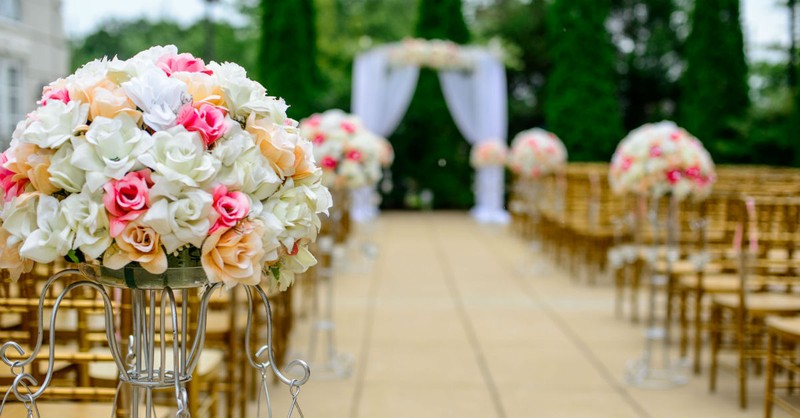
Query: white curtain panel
x=381, y=95
x=381, y=92
x=477, y=100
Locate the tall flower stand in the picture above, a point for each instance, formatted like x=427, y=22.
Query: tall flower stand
x=656, y=369
x=164, y=346
x=330, y=363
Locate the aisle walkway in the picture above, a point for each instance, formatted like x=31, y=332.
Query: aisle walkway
x=446, y=324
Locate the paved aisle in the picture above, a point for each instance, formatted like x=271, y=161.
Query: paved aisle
x=447, y=325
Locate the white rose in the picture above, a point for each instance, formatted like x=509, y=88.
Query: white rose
x=272, y=230
x=160, y=97
x=182, y=220
x=86, y=215
x=236, y=143
x=53, y=238
x=52, y=125
x=63, y=173
x=251, y=173
x=110, y=149
x=180, y=156
x=153, y=53
x=265, y=107
x=19, y=217
x=296, y=207
x=241, y=93
x=85, y=79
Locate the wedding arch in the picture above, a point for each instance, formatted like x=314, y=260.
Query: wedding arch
x=473, y=81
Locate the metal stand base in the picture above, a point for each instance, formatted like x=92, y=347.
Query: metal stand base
x=640, y=374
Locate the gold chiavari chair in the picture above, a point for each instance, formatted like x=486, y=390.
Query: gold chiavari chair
x=783, y=334
x=767, y=258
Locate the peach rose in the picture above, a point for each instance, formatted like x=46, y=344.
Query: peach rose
x=138, y=243
x=274, y=144
x=108, y=100
x=233, y=255
x=202, y=87
x=9, y=256
x=32, y=162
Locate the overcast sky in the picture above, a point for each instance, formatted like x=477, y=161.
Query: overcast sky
x=765, y=23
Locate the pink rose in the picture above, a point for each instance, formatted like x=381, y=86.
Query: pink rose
x=626, y=163
x=348, y=127
x=692, y=172
x=231, y=207
x=318, y=139
x=673, y=176
x=328, y=162
x=655, y=151
x=207, y=120
x=314, y=120
x=182, y=62
x=126, y=199
x=354, y=155
x=12, y=184
x=675, y=135
x=54, y=94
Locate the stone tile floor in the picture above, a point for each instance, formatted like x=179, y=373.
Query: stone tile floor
x=455, y=319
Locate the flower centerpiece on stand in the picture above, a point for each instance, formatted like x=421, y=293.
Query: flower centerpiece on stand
x=491, y=153
x=535, y=153
x=149, y=171
x=661, y=158
x=350, y=157
x=156, y=158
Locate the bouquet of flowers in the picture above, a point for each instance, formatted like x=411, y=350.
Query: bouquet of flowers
x=662, y=158
x=488, y=153
x=436, y=54
x=536, y=152
x=386, y=152
x=348, y=153
x=159, y=158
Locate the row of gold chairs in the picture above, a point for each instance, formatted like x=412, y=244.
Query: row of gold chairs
x=730, y=261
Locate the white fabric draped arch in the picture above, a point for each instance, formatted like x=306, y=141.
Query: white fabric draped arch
x=477, y=102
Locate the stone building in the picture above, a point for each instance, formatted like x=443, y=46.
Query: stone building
x=33, y=52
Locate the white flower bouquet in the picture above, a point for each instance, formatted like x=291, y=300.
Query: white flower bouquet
x=154, y=158
x=349, y=154
x=536, y=152
x=491, y=153
x=662, y=158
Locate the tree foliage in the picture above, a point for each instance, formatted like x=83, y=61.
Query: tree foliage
x=582, y=103
x=649, y=43
x=714, y=86
x=287, y=54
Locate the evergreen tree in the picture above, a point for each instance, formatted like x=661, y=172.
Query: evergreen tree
x=581, y=102
x=714, y=85
x=287, y=54
x=430, y=152
x=650, y=59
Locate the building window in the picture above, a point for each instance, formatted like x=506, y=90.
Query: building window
x=11, y=9
x=11, y=88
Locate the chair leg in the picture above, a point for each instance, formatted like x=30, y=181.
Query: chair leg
x=638, y=268
x=684, y=323
x=698, y=330
x=619, y=276
x=714, y=336
x=770, y=390
x=742, y=343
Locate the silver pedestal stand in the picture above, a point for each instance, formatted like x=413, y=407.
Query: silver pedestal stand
x=332, y=364
x=145, y=368
x=652, y=371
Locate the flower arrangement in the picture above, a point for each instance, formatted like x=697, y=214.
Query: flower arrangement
x=348, y=153
x=435, y=53
x=159, y=158
x=385, y=153
x=536, y=152
x=488, y=153
x=662, y=158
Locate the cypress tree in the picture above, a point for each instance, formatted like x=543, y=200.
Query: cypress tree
x=650, y=59
x=714, y=85
x=581, y=102
x=287, y=54
x=430, y=152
